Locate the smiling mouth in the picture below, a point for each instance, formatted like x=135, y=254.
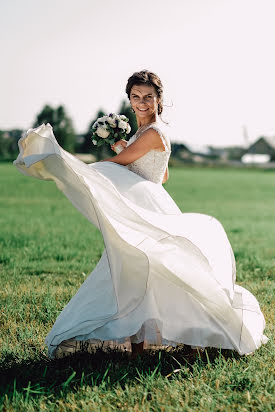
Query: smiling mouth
x=143, y=110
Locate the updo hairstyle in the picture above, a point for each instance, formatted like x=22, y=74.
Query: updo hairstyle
x=150, y=79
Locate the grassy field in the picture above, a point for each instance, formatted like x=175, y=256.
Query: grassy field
x=47, y=250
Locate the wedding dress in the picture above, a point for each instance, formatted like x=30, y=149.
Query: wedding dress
x=165, y=277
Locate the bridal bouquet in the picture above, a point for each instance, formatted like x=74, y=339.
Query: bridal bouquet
x=110, y=129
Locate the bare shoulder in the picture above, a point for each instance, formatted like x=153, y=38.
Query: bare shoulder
x=152, y=138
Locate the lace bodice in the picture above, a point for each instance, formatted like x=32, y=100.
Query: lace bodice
x=152, y=165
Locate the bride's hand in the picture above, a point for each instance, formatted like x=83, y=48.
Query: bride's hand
x=119, y=142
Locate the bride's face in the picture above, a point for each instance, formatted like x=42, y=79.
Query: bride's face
x=144, y=100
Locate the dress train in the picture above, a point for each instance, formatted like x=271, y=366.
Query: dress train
x=164, y=276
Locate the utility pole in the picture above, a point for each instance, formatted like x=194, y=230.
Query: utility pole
x=245, y=136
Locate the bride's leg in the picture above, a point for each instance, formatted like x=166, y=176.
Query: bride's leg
x=137, y=346
x=137, y=349
x=67, y=347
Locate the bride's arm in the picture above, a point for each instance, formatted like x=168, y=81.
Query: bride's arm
x=122, y=142
x=149, y=140
x=166, y=175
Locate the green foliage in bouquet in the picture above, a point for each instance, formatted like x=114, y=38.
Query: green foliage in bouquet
x=109, y=129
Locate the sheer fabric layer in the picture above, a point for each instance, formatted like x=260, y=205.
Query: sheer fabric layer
x=164, y=276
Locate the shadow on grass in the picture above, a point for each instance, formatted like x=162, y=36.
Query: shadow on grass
x=104, y=368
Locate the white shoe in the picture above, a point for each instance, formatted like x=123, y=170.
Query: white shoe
x=68, y=347
x=197, y=349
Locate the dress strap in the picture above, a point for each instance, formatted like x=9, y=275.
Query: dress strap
x=163, y=138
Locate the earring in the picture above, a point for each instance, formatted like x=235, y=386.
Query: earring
x=132, y=110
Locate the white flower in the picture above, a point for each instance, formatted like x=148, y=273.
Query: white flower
x=122, y=117
x=122, y=125
x=128, y=128
x=103, y=118
x=94, y=142
x=112, y=121
x=95, y=124
x=102, y=132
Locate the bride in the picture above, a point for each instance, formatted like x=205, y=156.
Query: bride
x=164, y=277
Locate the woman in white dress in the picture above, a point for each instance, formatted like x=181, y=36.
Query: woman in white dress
x=165, y=277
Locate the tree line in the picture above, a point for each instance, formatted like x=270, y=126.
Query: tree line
x=64, y=132
x=82, y=143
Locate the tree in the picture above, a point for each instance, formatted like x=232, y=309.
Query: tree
x=9, y=143
x=4, y=152
x=61, y=123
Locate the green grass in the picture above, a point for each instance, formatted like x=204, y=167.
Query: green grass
x=47, y=249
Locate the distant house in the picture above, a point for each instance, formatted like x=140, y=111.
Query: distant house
x=193, y=153
x=264, y=145
x=178, y=148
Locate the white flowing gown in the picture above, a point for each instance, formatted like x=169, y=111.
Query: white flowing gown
x=165, y=277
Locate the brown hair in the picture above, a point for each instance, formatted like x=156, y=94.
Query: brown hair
x=150, y=79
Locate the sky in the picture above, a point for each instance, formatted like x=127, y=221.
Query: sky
x=215, y=58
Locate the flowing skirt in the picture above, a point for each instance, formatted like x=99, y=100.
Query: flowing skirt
x=164, y=276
